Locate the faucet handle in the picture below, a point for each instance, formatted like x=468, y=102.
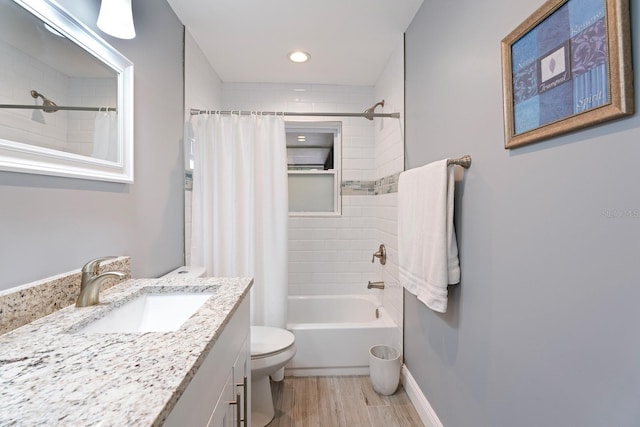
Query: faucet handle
x=381, y=254
x=93, y=265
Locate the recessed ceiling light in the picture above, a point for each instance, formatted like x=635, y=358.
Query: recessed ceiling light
x=299, y=56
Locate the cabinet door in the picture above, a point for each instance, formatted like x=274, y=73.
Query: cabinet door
x=242, y=381
x=224, y=413
x=202, y=395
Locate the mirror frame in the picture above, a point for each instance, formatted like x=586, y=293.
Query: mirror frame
x=26, y=158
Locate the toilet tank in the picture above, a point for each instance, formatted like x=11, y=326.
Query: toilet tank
x=189, y=271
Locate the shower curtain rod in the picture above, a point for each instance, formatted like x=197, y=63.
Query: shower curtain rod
x=368, y=114
x=57, y=107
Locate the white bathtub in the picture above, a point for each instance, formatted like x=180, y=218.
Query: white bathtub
x=334, y=333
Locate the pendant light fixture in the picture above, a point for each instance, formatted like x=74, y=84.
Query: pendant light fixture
x=116, y=19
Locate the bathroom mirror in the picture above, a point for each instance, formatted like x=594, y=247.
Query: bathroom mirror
x=66, y=96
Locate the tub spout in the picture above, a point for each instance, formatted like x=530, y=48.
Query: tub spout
x=376, y=285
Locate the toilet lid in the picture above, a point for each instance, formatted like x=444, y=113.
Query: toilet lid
x=266, y=340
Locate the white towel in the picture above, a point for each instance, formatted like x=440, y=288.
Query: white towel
x=427, y=248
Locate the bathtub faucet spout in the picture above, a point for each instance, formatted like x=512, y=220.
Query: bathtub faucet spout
x=376, y=285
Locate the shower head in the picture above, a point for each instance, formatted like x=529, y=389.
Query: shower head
x=46, y=102
x=368, y=113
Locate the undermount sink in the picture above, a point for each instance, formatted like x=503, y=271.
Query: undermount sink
x=150, y=312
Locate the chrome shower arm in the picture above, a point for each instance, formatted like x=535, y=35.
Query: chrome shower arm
x=46, y=102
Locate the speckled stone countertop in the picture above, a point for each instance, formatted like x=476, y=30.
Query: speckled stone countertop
x=52, y=375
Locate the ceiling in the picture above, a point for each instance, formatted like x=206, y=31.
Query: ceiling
x=350, y=41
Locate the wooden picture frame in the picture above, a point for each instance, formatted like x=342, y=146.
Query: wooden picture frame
x=566, y=67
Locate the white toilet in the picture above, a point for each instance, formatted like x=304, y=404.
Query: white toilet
x=271, y=350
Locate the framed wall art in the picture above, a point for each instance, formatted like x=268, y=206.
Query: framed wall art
x=566, y=67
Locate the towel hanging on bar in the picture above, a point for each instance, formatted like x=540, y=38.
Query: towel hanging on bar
x=427, y=248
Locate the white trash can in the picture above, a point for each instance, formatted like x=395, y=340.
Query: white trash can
x=384, y=369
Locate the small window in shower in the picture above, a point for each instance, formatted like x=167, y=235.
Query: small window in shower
x=313, y=156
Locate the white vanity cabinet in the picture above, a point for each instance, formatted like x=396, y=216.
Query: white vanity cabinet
x=216, y=394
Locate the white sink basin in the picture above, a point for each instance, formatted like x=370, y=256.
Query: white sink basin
x=150, y=313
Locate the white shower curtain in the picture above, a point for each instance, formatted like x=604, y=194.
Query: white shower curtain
x=105, y=136
x=240, y=207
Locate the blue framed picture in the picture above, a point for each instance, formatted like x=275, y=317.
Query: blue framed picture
x=566, y=67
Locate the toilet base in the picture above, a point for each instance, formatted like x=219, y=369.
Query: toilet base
x=278, y=375
x=262, y=411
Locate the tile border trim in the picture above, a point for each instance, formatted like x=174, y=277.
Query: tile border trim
x=386, y=185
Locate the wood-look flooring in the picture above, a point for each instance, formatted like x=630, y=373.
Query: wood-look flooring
x=339, y=402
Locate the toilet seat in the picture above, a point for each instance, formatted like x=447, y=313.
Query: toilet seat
x=267, y=341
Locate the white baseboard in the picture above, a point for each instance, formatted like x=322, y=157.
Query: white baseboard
x=422, y=405
x=323, y=372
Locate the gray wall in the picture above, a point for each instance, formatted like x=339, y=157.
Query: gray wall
x=543, y=329
x=51, y=225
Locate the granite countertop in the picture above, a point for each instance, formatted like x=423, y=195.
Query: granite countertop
x=52, y=375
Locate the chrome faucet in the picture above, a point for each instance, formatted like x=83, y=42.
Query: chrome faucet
x=376, y=285
x=91, y=282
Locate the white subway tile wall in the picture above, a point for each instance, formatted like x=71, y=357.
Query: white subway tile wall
x=333, y=255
